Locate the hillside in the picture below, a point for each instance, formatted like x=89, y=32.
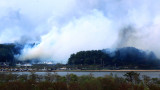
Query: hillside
x=128, y=57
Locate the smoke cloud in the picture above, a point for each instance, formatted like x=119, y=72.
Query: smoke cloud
x=63, y=27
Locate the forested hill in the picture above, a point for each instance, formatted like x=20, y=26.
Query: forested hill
x=7, y=52
x=122, y=57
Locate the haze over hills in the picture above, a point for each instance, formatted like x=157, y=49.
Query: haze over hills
x=121, y=57
x=54, y=44
x=129, y=57
x=63, y=27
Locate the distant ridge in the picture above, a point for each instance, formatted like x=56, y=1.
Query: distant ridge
x=129, y=57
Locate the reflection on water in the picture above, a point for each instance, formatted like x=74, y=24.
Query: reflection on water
x=95, y=74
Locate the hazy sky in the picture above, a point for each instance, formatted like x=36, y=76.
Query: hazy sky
x=63, y=27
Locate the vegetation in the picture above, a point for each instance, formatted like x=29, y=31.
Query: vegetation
x=50, y=81
x=7, y=52
x=124, y=57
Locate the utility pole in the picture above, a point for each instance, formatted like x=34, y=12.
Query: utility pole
x=103, y=64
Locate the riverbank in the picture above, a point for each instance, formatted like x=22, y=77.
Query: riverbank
x=152, y=74
x=85, y=71
x=105, y=70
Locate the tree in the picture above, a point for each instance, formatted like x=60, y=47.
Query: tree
x=132, y=77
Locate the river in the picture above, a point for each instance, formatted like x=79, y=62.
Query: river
x=95, y=74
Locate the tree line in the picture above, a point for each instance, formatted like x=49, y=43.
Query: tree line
x=8, y=51
x=128, y=56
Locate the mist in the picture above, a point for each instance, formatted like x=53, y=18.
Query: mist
x=64, y=27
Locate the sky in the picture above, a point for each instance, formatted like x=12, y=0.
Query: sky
x=63, y=27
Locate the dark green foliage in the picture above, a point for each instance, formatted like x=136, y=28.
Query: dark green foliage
x=8, y=51
x=124, y=57
x=133, y=77
x=88, y=57
x=71, y=78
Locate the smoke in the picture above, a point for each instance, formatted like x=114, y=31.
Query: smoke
x=64, y=27
x=127, y=35
x=86, y=33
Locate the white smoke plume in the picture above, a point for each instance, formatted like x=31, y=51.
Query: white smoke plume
x=63, y=27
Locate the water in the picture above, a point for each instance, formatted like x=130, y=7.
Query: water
x=96, y=74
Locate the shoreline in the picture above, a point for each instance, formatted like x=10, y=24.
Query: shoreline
x=89, y=71
x=105, y=70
